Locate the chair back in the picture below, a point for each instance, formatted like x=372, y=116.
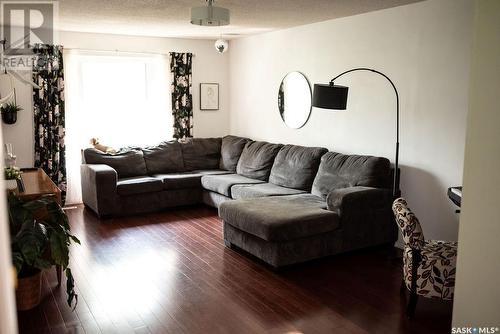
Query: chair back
x=408, y=223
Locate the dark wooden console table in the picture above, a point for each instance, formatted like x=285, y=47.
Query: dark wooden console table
x=37, y=184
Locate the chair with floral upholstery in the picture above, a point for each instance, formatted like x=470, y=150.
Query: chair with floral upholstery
x=428, y=265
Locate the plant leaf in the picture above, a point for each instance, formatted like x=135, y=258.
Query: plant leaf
x=17, y=260
x=75, y=239
x=70, y=288
x=41, y=263
x=59, y=250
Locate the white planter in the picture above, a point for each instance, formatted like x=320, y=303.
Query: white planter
x=11, y=184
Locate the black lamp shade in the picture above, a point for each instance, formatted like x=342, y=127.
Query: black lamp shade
x=330, y=96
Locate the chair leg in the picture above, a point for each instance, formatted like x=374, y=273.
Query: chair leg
x=412, y=304
x=416, y=258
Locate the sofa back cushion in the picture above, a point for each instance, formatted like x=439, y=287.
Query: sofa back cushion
x=257, y=159
x=296, y=166
x=231, y=149
x=127, y=162
x=341, y=171
x=201, y=153
x=164, y=158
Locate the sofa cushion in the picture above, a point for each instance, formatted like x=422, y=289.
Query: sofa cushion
x=280, y=218
x=179, y=180
x=201, y=153
x=164, y=158
x=222, y=183
x=212, y=172
x=296, y=166
x=341, y=171
x=231, y=149
x=257, y=159
x=138, y=185
x=239, y=191
x=185, y=180
x=127, y=162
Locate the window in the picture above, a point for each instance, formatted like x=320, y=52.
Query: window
x=121, y=98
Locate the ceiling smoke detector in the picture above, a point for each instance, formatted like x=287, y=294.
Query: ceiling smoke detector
x=209, y=15
x=221, y=45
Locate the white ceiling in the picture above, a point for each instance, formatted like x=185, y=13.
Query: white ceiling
x=170, y=18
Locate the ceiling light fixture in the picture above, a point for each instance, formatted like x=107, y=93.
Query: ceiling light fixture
x=209, y=15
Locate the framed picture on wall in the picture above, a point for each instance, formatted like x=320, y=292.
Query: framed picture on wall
x=209, y=96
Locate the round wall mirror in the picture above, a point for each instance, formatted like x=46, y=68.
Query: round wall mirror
x=294, y=100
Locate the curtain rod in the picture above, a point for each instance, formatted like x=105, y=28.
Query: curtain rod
x=122, y=51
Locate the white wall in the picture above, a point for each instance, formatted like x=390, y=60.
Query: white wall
x=20, y=134
x=477, y=293
x=8, y=323
x=424, y=48
x=208, y=66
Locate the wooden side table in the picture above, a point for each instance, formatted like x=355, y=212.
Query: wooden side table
x=37, y=184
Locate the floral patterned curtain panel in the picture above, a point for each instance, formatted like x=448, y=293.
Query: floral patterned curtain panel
x=48, y=109
x=182, y=99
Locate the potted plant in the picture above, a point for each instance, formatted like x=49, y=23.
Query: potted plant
x=40, y=238
x=9, y=112
x=12, y=174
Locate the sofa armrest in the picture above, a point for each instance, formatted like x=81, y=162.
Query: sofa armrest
x=366, y=217
x=99, y=188
x=357, y=198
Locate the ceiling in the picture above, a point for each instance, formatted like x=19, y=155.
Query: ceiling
x=170, y=18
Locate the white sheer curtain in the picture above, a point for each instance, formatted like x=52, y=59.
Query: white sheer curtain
x=121, y=98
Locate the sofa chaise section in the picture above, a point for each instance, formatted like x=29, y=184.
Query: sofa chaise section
x=349, y=208
x=280, y=218
x=279, y=230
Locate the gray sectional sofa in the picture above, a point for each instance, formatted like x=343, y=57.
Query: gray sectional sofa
x=282, y=203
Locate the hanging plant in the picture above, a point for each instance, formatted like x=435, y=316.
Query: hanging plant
x=9, y=112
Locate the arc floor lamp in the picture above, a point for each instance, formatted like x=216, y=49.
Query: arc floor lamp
x=332, y=96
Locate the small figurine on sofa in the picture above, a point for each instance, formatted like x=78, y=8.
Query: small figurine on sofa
x=100, y=147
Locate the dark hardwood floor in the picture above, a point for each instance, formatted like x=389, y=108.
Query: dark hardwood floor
x=170, y=273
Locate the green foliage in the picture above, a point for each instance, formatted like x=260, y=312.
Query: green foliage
x=10, y=107
x=39, y=243
x=12, y=173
